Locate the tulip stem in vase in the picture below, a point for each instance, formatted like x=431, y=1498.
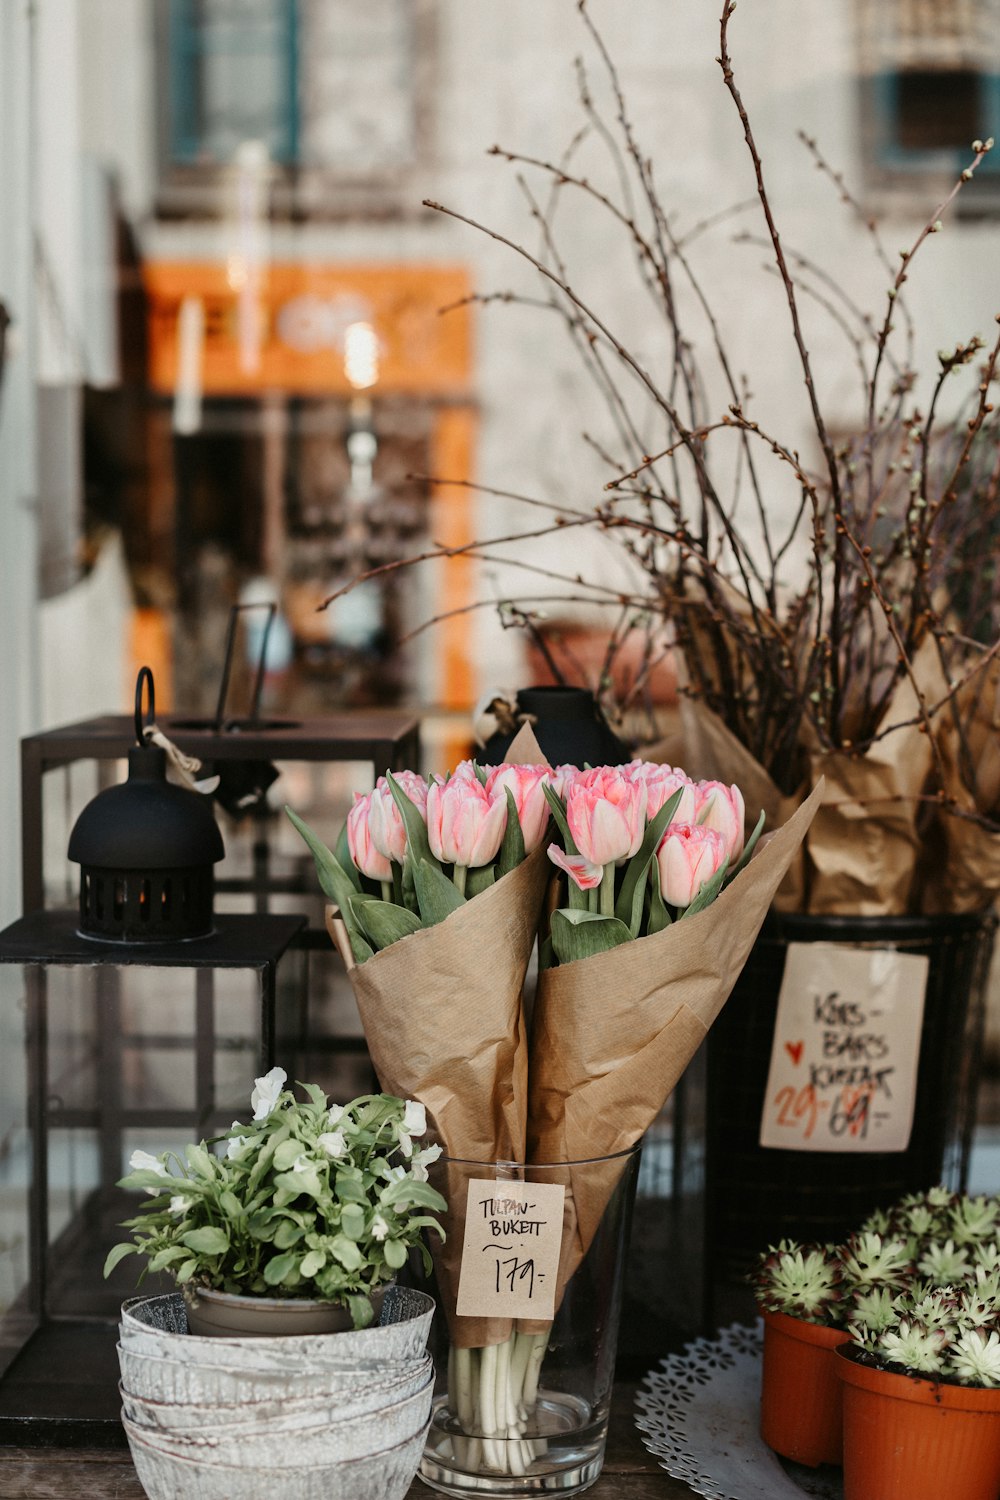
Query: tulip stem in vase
x=608, y=890
x=493, y=1392
x=461, y=871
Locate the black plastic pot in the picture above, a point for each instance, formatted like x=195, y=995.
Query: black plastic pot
x=756, y=1196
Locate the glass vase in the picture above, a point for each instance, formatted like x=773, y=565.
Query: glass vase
x=521, y=1406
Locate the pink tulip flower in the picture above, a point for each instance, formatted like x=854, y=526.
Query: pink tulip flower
x=526, y=785
x=465, y=825
x=606, y=813
x=582, y=873
x=661, y=784
x=367, y=858
x=724, y=815
x=688, y=855
x=385, y=821
x=563, y=778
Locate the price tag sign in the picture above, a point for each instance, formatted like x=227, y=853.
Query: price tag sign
x=843, y=1074
x=510, y=1255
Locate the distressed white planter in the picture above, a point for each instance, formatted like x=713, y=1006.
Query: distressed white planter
x=339, y=1416
x=386, y=1475
x=167, y=1415
x=318, y=1443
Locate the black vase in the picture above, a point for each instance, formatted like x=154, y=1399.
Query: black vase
x=569, y=727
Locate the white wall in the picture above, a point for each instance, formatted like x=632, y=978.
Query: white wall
x=18, y=534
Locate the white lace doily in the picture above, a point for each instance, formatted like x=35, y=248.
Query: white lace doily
x=700, y=1416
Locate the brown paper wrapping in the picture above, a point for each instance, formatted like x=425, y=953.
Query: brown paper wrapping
x=965, y=876
x=442, y=1011
x=612, y=1034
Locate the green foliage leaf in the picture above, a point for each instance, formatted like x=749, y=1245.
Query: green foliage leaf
x=437, y=896
x=201, y=1162
x=312, y=1262
x=186, y=1271
x=479, y=880
x=628, y=907
x=118, y=1253
x=350, y=1190
x=286, y=1154
x=362, y=1312
x=558, y=807
x=206, y=1241
x=231, y=1205
x=417, y=843
x=347, y=1252
x=383, y=922
x=512, y=850
x=748, y=849
x=335, y=884
x=352, y=1221
x=145, y=1177
x=167, y=1257
x=287, y=1234
x=581, y=934
x=395, y=1254
x=280, y=1268
x=342, y=854
x=409, y=1190
x=659, y=916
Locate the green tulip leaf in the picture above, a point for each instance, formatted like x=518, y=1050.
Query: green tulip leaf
x=479, y=879
x=382, y=922
x=335, y=884
x=581, y=934
x=437, y=895
x=512, y=850
x=748, y=849
x=628, y=907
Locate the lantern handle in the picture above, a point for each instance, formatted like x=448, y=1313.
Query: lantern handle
x=144, y=679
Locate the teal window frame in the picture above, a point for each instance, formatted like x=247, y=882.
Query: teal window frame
x=187, y=50
x=898, y=158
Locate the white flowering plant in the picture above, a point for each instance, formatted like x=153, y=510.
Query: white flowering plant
x=308, y=1200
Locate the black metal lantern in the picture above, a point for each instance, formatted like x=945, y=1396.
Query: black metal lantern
x=146, y=851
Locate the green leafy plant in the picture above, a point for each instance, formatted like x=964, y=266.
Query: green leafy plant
x=951, y=1333
x=309, y=1200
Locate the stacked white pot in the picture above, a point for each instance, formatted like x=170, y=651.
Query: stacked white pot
x=335, y=1416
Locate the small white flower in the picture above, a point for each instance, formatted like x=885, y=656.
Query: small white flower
x=395, y=1174
x=236, y=1147
x=266, y=1091
x=414, y=1123
x=422, y=1160
x=141, y=1161
x=178, y=1206
x=336, y=1114
x=379, y=1228
x=333, y=1142
x=301, y=1163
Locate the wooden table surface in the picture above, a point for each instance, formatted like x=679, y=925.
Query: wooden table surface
x=74, y=1474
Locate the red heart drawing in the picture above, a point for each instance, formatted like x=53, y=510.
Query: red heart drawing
x=794, y=1050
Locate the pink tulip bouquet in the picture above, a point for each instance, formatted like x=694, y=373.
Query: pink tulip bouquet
x=441, y=890
x=412, y=851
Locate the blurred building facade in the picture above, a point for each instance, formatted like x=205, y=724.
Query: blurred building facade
x=228, y=375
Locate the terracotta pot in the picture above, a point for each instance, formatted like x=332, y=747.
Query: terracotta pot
x=213, y=1314
x=800, y=1406
x=910, y=1438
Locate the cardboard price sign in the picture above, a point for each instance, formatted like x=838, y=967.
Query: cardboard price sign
x=510, y=1254
x=843, y=1074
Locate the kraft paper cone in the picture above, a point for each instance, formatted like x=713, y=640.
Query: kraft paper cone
x=712, y=748
x=442, y=1012
x=965, y=874
x=865, y=843
x=612, y=1034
